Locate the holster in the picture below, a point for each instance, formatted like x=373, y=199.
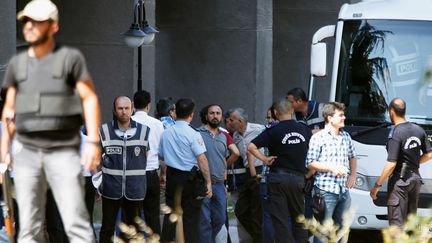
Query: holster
x=200, y=187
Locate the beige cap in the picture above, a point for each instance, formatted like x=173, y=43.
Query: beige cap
x=39, y=10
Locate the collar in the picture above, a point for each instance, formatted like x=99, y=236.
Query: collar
x=181, y=122
x=204, y=129
x=141, y=113
x=328, y=130
x=133, y=124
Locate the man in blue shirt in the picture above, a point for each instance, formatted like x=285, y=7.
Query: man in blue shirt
x=182, y=148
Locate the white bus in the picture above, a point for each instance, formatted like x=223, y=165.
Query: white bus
x=383, y=49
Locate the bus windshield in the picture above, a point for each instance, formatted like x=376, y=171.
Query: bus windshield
x=383, y=59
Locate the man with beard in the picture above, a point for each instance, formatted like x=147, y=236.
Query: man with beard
x=217, y=142
x=49, y=87
x=125, y=145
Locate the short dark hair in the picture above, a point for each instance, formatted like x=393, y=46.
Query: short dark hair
x=330, y=108
x=298, y=94
x=184, y=108
x=204, y=111
x=398, y=105
x=203, y=114
x=272, y=109
x=141, y=99
x=164, y=106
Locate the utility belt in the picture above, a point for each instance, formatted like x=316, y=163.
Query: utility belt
x=195, y=177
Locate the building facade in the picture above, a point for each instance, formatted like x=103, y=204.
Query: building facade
x=243, y=53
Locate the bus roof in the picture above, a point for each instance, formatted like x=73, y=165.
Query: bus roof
x=388, y=9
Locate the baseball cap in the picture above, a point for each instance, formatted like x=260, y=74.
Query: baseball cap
x=39, y=10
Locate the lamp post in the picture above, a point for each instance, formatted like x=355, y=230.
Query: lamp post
x=138, y=34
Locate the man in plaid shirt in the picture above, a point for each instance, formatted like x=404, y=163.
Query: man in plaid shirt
x=332, y=156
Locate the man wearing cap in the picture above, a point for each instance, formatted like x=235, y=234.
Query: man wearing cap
x=49, y=88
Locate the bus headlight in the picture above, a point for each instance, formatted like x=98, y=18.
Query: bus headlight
x=361, y=183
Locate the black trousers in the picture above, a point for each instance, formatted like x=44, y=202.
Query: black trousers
x=151, y=204
x=180, y=182
x=248, y=209
x=54, y=223
x=130, y=210
x=403, y=197
x=286, y=203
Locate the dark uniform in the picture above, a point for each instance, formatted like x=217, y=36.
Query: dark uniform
x=406, y=143
x=287, y=140
x=123, y=170
x=314, y=118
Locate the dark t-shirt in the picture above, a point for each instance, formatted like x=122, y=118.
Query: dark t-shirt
x=288, y=140
x=40, y=79
x=405, y=144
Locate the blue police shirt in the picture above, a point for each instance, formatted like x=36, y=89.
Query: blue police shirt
x=180, y=145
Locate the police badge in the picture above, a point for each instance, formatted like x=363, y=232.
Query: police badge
x=137, y=151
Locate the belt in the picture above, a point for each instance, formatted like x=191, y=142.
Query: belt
x=285, y=171
x=236, y=171
x=177, y=171
x=152, y=171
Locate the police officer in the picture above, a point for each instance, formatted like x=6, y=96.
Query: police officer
x=307, y=111
x=287, y=143
x=182, y=148
x=48, y=88
x=125, y=145
x=407, y=148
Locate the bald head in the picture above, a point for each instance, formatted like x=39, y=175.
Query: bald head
x=398, y=106
x=123, y=109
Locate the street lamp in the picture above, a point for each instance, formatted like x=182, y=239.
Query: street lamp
x=138, y=34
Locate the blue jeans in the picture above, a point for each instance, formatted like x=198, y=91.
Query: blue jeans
x=336, y=206
x=213, y=213
x=267, y=225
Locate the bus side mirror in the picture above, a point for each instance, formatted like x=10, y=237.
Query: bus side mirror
x=319, y=59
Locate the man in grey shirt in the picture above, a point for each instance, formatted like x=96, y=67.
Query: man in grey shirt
x=248, y=206
x=218, y=143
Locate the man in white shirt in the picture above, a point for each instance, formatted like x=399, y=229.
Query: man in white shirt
x=151, y=205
